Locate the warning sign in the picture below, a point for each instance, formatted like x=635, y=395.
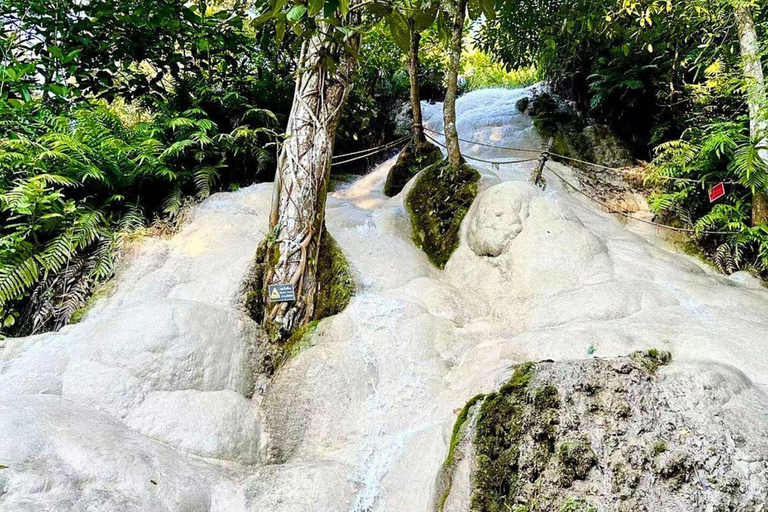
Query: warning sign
x=717, y=192
x=281, y=293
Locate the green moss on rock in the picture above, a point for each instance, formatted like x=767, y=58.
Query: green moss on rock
x=336, y=290
x=299, y=340
x=337, y=282
x=437, y=203
x=409, y=164
x=576, y=459
x=651, y=360
x=446, y=473
x=508, y=420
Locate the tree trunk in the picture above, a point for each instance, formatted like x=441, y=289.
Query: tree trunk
x=301, y=185
x=756, y=99
x=457, y=9
x=413, y=71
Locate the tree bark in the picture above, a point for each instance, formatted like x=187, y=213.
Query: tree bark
x=413, y=71
x=756, y=99
x=458, y=10
x=301, y=185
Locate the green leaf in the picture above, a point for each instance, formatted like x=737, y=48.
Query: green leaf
x=422, y=20
x=296, y=12
x=474, y=9
x=401, y=34
x=315, y=6
x=330, y=7
x=489, y=8
x=55, y=52
x=279, y=31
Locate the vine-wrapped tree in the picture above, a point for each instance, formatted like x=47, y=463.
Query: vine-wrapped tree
x=326, y=66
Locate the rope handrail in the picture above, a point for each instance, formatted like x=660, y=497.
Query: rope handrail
x=509, y=148
x=392, y=143
x=572, y=159
x=630, y=216
x=368, y=152
x=626, y=171
x=372, y=151
x=494, y=162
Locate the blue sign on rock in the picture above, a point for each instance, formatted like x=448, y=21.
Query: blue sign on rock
x=281, y=293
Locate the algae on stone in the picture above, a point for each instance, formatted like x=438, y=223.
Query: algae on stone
x=336, y=278
x=445, y=478
x=572, y=137
x=437, y=204
x=409, y=164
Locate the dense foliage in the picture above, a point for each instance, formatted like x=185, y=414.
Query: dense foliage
x=177, y=117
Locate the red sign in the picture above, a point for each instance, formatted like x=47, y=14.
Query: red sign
x=717, y=192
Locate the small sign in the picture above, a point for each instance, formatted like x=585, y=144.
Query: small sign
x=717, y=192
x=281, y=293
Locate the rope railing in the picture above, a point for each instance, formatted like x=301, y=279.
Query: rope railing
x=476, y=159
x=542, y=158
x=485, y=144
x=628, y=172
x=629, y=214
x=366, y=153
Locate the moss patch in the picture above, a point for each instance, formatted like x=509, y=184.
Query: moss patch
x=446, y=472
x=336, y=290
x=651, y=360
x=555, y=118
x=100, y=291
x=253, y=299
x=337, y=283
x=437, y=203
x=409, y=164
x=299, y=340
x=507, y=422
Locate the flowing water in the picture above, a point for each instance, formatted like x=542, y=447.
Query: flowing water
x=147, y=405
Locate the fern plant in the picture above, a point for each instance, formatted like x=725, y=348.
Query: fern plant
x=718, y=152
x=73, y=184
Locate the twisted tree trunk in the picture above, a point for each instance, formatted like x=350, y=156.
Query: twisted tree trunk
x=413, y=71
x=457, y=10
x=301, y=185
x=756, y=99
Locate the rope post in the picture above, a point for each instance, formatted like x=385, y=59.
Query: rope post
x=536, y=174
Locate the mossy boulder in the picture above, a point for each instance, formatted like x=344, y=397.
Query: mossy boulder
x=412, y=159
x=572, y=137
x=616, y=434
x=515, y=439
x=437, y=203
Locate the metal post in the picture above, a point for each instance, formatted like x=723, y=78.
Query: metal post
x=536, y=174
